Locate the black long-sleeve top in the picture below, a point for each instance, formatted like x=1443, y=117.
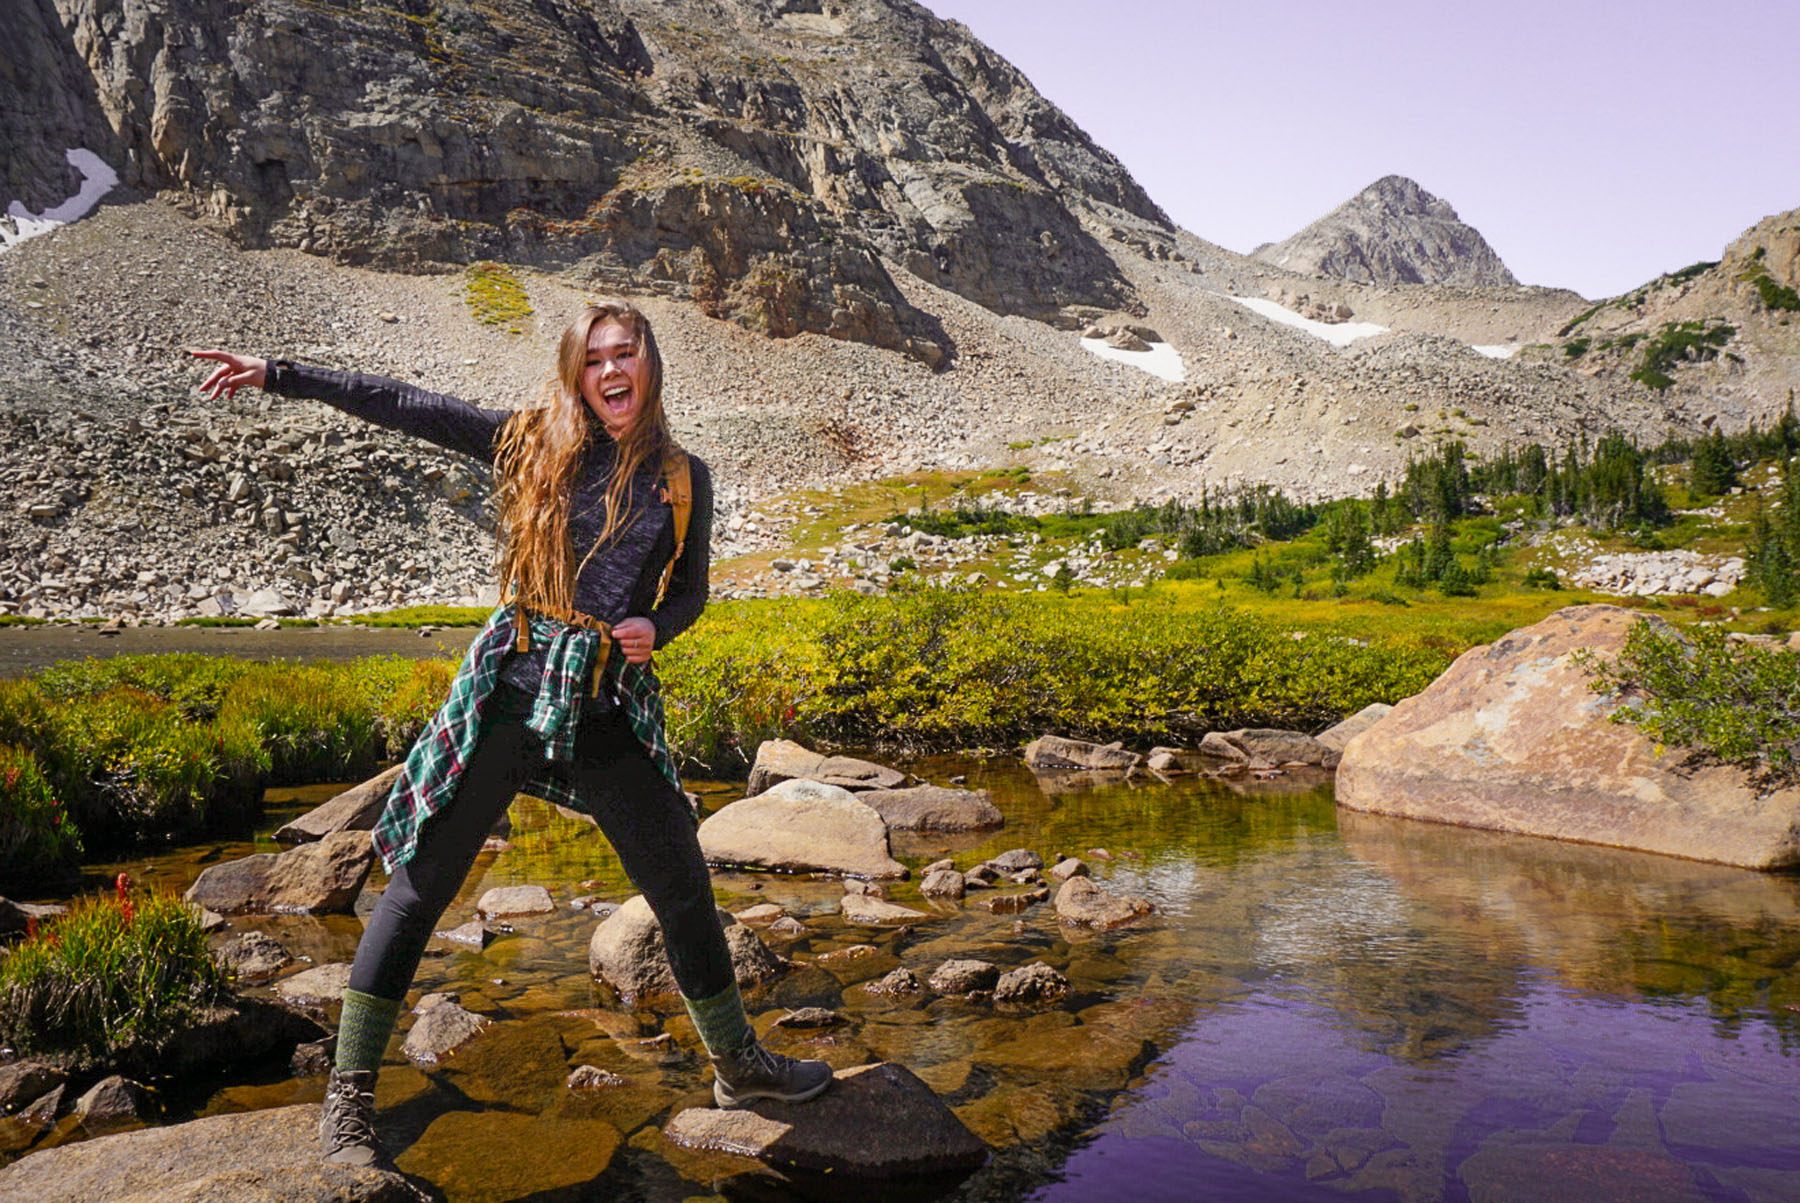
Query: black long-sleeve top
x=470, y=429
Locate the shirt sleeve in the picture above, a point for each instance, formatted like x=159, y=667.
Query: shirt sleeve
x=690, y=584
x=447, y=421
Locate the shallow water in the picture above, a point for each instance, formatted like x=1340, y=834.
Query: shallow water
x=1326, y=1005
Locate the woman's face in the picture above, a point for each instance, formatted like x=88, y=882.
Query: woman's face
x=614, y=380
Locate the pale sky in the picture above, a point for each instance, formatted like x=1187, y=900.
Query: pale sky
x=1594, y=143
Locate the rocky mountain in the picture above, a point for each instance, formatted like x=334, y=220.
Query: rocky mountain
x=870, y=248
x=764, y=158
x=1392, y=232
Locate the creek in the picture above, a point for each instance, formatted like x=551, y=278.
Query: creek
x=1326, y=1005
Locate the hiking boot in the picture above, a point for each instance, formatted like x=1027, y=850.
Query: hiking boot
x=347, y=1120
x=753, y=1072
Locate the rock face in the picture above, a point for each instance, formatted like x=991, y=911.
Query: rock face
x=356, y=809
x=1512, y=738
x=876, y=1121
x=1392, y=232
x=270, y=1156
x=801, y=827
x=760, y=159
x=627, y=952
x=318, y=878
x=934, y=808
x=779, y=760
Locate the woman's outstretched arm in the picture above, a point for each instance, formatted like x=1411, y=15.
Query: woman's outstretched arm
x=444, y=420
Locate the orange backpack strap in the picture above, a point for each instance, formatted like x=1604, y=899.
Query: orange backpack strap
x=678, y=490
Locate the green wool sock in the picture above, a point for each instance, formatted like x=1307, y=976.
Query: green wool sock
x=364, y=1029
x=724, y=1028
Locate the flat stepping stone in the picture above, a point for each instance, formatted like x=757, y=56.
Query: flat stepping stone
x=504, y=901
x=870, y=911
x=875, y=1121
x=801, y=827
x=326, y=983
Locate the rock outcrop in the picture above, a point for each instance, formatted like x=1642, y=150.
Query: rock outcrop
x=1512, y=737
x=1392, y=232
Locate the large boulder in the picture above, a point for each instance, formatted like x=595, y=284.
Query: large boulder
x=779, y=760
x=627, y=952
x=268, y=1156
x=801, y=827
x=318, y=878
x=1513, y=737
x=934, y=808
x=356, y=809
x=875, y=1122
x=1055, y=752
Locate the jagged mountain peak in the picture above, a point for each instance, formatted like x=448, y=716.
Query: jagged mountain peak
x=1392, y=232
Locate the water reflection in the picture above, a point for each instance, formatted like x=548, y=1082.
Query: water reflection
x=1323, y=1005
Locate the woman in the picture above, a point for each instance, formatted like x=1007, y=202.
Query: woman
x=557, y=694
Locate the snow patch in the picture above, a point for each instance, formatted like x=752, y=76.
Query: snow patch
x=1339, y=334
x=97, y=179
x=1497, y=350
x=1161, y=359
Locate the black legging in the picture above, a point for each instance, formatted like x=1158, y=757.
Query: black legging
x=647, y=820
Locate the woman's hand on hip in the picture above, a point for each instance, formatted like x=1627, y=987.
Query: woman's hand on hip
x=233, y=372
x=636, y=637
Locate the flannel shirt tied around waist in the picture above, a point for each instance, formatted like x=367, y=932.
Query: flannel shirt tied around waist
x=435, y=765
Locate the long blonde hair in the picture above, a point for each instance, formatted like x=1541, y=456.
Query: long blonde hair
x=540, y=449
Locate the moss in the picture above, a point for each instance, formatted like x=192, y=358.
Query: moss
x=495, y=296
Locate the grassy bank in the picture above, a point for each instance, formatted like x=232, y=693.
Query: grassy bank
x=110, y=753
x=106, y=754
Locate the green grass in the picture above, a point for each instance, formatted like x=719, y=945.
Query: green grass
x=113, y=979
x=495, y=296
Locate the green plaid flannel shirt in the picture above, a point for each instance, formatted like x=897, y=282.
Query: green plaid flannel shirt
x=435, y=765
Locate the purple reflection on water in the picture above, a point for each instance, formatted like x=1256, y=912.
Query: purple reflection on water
x=1573, y=1097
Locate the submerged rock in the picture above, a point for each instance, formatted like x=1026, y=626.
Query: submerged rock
x=627, y=952
x=801, y=827
x=779, y=760
x=1055, y=752
x=356, y=809
x=869, y=911
x=876, y=1121
x=267, y=1156
x=255, y=957
x=318, y=878
x=1512, y=737
x=1081, y=903
x=323, y=983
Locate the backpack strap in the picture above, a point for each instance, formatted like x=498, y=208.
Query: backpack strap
x=678, y=491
